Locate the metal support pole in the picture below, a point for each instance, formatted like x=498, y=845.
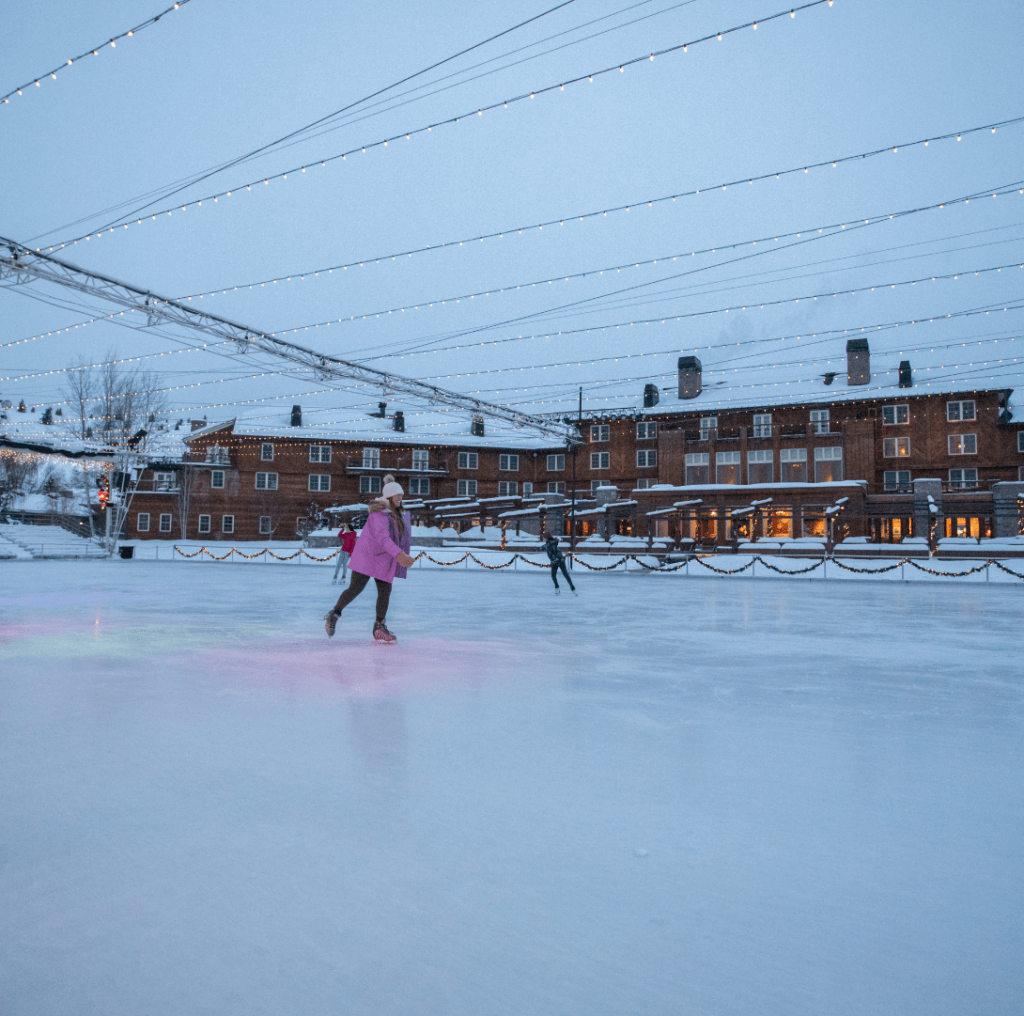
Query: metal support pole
x=572, y=513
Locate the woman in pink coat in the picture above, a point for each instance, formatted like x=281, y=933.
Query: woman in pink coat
x=381, y=553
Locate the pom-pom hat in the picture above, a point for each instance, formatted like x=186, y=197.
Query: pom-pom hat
x=392, y=489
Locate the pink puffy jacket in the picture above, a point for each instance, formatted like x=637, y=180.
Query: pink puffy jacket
x=379, y=545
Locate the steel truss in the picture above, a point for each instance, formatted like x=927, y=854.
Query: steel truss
x=19, y=266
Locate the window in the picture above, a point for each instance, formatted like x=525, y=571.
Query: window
x=142, y=522
x=828, y=465
x=727, y=467
x=594, y=484
x=163, y=481
x=646, y=431
x=527, y=489
x=1020, y=441
x=217, y=478
x=218, y=455
x=963, y=444
x=371, y=458
x=556, y=486
x=960, y=410
x=266, y=481
x=420, y=459
x=419, y=485
x=892, y=415
x=647, y=459
x=819, y=417
x=165, y=522
x=266, y=454
x=204, y=523
x=469, y=460
x=507, y=488
x=598, y=460
x=265, y=528
x=465, y=488
x=643, y=484
x=319, y=481
x=897, y=479
x=508, y=463
x=227, y=523
x=760, y=466
x=963, y=479
x=697, y=469
x=601, y=432
x=707, y=424
x=556, y=463
x=369, y=484
x=895, y=447
x=793, y=465
x=762, y=425
x=320, y=453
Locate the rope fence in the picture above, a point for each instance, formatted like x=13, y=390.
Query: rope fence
x=623, y=562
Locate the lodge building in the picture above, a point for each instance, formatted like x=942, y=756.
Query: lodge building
x=692, y=469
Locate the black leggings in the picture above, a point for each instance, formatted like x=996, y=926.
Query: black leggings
x=356, y=585
x=554, y=574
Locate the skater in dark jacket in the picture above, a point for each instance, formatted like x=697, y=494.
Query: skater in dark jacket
x=381, y=553
x=557, y=559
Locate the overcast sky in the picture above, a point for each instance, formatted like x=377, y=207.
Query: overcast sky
x=217, y=79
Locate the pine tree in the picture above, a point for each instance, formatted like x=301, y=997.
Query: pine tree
x=21, y=407
x=47, y=417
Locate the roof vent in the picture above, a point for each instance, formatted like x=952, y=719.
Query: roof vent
x=829, y=376
x=858, y=362
x=296, y=416
x=477, y=427
x=651, y=396
x=906, y=375
x=399, y=422
x=689, y=377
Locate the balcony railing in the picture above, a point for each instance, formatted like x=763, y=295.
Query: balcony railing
x=376, y=466
x=793, y=430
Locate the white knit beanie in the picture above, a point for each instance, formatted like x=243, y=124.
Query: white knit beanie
x=391, y=489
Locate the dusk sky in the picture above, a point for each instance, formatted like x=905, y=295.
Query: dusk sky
x=107, y=140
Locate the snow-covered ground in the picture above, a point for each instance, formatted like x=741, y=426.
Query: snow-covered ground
x=661, y=797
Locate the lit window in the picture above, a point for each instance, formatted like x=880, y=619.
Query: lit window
x=320, y=453
x=762, y=425
x=963, y=444
x=600, y=432
x=217, y=478
x=204, y=523
x=420, y=459
x=227, y=523
x=319, y=481
x=556, y=463
x=508, y=463
x=266, y=454
x=828, y=465
x=727, y=467
x=963, y=410
x=265, y=529
x=646, y=431
x=142, y=522
x=369, y=484
x=892, y=415
x=897, y=479
x=647, y=459
x=465, y=488
x=468, y=460
x=266, y=481
x=895, y=447
x=697, y=468
x=419, y=485
x=819, y=417
x=556, y=486
x=760, y=466
x=962, y=479
x=598, y=460
x=371, y=458
x=165, y=522
x=793, y=465
x=507, y=488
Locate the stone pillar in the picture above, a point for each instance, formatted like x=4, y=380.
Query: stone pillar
x=1006, y=507
x=923, y=514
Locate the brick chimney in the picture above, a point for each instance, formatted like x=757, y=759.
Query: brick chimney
x=296, y=416
x=689, y=377
x=906, y=375
x=858, y=362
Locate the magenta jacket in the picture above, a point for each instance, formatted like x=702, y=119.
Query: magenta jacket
x=378, y=546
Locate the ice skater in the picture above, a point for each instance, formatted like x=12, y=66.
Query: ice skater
x=381, y=553
x=557, y=559
x=347, y=536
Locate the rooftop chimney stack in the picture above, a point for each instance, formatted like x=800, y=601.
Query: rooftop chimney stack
x=296, y=416
x=858, y=362
x=477, y=428
x=906, y=375
x=651, y=396
x=399, y=421
x=689, y=377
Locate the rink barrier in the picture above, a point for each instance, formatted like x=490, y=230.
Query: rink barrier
x=624, y=561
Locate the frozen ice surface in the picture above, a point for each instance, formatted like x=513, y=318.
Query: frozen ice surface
x=664, y=797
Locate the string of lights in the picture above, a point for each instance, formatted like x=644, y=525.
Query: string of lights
x=408, y=134
x=95, y=51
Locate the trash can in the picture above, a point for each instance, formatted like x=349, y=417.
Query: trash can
x=126, y=553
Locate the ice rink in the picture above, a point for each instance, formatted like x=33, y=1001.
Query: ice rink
x=714, y=796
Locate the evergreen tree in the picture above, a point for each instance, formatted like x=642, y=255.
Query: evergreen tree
x=47, y=417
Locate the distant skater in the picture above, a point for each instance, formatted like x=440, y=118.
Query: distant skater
x=557, y=559
x=381, y=553
x=348, y=542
